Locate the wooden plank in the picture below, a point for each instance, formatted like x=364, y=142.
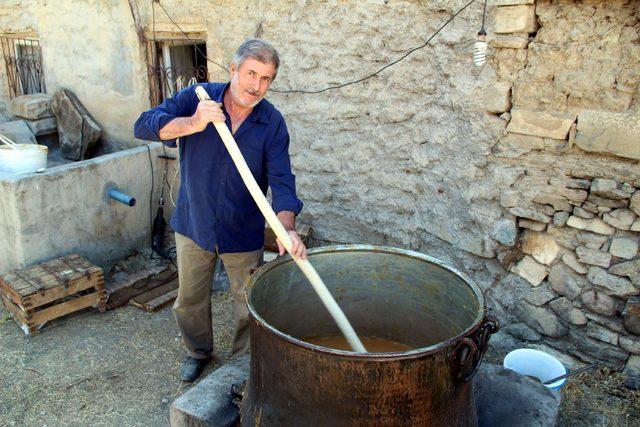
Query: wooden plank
x=160, y=302
x=12, y=308
x=121, y=291
x=141, y=299
x=50, y=295
x=67, y=307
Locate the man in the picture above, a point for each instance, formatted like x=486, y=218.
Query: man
x=215, y=214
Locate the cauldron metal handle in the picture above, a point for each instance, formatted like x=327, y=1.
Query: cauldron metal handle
x=468, y=353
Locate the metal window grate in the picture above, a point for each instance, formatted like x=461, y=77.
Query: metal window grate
x=23, y=61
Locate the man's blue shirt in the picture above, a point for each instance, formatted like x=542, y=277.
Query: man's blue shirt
x=214, y=207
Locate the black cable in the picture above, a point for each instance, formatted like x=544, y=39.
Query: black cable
x=151, y=192
x=484, y=12
x=343, y=84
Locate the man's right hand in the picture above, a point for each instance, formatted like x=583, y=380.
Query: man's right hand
x=207, y=112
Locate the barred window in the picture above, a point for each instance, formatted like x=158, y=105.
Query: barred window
x=23, y=62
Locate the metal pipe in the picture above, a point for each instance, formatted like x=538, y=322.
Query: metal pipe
x=121, y=197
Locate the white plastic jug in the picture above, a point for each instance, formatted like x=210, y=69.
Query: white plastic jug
x=27, y=158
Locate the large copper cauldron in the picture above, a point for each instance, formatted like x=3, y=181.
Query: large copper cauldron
x=385, y=292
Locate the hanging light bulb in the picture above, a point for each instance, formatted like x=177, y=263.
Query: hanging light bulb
x=480, y=49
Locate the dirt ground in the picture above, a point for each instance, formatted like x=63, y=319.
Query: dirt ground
x=121, y=368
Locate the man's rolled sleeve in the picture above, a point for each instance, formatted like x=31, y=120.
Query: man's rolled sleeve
x=150, y=122
x=281, y=180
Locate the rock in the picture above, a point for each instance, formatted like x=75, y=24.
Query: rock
x=630, y=344
x=546, y=209
x=607, y=188
x=18, y=132
x=509, y=290
x=615, y=285
x=582, y=213
x=33, y=107
x=540, y=319
x=541, y=124
x=565, y=282
x=497, y=98
x=596, y=348
x=609, y=133
x=631, y=315
x=601, y=334
x=607, y=203
x=77, y=129
x=530, y=213
x=514, y=145
x=631, y=373
x=620, y=218
x=598, y=302
x=557, y=145
x=516, y=41
x=530, y=270
x=560, y=219
x=541, y=247
x=581, y=184
x=512, y=2
x=635, y=226
x=515, y=19
x=611, y=323
x=540, y=295
x=522, y=331
x=505, y=232
x=593, y=256
x=567, y=312
x=623, y=247
x=45, y=126
x=631, y=269
x=531, y=225
x=591, y=240
x=558, y=202
x=590, y=207
x=509, y=198
x=571, y=260
x=595, y=225
x=574, y=196
x=634, y=203
x=564, y=236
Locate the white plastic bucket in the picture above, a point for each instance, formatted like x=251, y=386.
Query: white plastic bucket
x=537, y=364
x=28, y=158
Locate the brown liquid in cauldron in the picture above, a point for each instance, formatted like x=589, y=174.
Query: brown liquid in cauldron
x=372, y=344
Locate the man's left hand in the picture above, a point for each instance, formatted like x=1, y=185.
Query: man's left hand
x=298, y=250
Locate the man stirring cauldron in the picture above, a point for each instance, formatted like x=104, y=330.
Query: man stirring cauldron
x=215, y=215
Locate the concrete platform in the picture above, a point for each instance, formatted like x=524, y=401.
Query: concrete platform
x=503, y=398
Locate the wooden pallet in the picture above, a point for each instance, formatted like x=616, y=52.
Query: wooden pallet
x=46, y=291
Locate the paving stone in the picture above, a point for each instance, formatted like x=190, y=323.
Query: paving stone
x=505, y=232
x=608, y=203
x=601, y=334
x=607, y=188
x=591, y=240
x=45, y=126
x=530, y=270
x=614, y=285
x=595, y=225
x=33, y=107
x=620, y=218
x=593, y=256
x=540, y=319
x=541, y=247
x=598, y=302
x=541, y=124
x=515, y=19
x=530, y=213
x=571, y=260
x=631, y=373
x=77, y=130
x=531, y=225
x=567, y=312
x=560, y=219
x=558, y=202
x=18, y=132
x=623, y=247
x=566, y=282
x=540, y=295
x=631, y=315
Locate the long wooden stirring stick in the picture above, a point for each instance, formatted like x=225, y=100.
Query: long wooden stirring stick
x=281, y=233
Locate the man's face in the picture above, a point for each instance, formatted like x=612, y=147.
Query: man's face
x=250, y=82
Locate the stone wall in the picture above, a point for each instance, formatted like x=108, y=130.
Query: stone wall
x=506, y=171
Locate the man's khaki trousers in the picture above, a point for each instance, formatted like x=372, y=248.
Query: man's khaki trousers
x=192, y=308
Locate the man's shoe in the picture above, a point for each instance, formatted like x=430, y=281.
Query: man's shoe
x=192, y=368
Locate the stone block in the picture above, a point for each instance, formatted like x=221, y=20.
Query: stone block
x=564, y=236
x=603, y=202
x=540, y=295
x=560, y=219
x=624, y=247
x=590, y=207
x=77, y=129
x=558, y=202
x=33, y=107
x=530, y=213
x=570, y=260
x=44, y=126
x=541, y=247
x=596, y=331
x=515, y=19
x=531, y=225
x=505, y=232
x=634, y=204
x=18, y=132
x=591, y=240
x=567, y=312
x=620, y=218
x=615, y=285
x=530, y=270
x=631, y=373
x=610, y=133
x=497, y=98
x=631, y=269
x=598, y=302
x=593, y=256
x=630, y=344
x=582, y=213
x=631, y=315
x=540, y=319
x=595, y=225
x=607, y=188
x=575, y=196
x=566, y=282
x=577, y=183
x=541, y=124
x=516, y=41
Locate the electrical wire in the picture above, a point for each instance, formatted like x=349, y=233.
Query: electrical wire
x=151, y=192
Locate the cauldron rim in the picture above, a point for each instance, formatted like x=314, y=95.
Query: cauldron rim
x=418, y=352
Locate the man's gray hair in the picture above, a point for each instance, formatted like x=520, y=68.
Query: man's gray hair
x=257, y=49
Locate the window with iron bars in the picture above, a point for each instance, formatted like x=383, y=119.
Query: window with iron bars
x=175, y=65
x=23, y=62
